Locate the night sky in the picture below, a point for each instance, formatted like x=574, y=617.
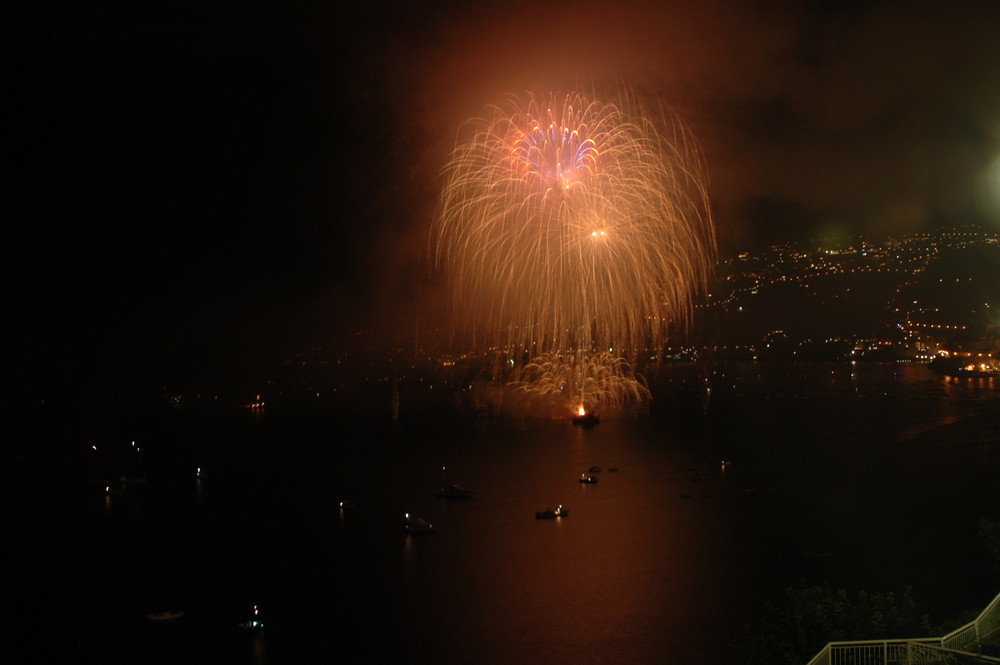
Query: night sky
x=203, y=188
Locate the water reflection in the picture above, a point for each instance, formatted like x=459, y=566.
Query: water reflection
x=258, y=650
x=790, y=473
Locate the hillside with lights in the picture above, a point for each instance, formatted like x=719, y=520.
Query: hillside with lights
x=908, y=298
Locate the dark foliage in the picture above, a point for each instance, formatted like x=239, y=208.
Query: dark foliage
x=808, y=617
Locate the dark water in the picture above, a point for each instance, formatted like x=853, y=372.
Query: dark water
x=869, y=476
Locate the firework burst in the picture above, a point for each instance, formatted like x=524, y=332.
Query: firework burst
x=566, y=223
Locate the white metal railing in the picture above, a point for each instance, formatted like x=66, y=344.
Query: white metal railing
x=915, y=651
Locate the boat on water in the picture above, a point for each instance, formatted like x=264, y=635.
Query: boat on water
x=413, y=524
x=586, y=418
x=550, y=513
x=587, y=480
x=114, y=490
x=594, y=469
x=965, y=366
x=254, y=623
x=453, y=491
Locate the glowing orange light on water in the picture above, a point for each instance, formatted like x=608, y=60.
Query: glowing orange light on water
x=581, y=411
